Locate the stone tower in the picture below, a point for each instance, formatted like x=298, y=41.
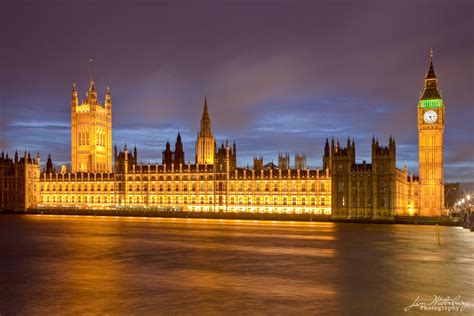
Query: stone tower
x=300, y=161
x=91, y=132
x=384, y=172
x=342, y=160
x=327, y=156
x=283, y=161
x=205, y=143
x=178, y=155
x=430, y=145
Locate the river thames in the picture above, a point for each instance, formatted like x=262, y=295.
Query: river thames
x=105, y=265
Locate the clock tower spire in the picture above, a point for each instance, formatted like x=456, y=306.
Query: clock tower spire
x=430, y=145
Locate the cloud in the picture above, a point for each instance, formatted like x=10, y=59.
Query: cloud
x=278, y=77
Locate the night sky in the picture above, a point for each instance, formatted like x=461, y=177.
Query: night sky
x=278, y=75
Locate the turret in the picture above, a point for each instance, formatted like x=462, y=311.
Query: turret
x=227, y=157
x=392, y=145
x=49, y=165
x=384, y=152
x=257, y=163
x=108, y=100
x=327, y=156
x=344, y=152
x=74, y=99
x=135, y=155
x=178, y=152
x=125, y=159
x=373, y=145
x=326, y=149
x=167, y=156
x=92, y=96
x=283, y=161
x=300, y=161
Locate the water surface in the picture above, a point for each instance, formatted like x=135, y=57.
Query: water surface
x=104, y=265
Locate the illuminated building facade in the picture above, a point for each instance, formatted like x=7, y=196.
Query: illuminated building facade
x=192, y=187
x=430, y=145
x=91, y=132
x=343, y=188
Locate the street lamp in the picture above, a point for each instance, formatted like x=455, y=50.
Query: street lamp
x=468, y=197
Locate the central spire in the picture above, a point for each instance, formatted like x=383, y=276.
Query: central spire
x=205, y=143
x=205, y=113
x=205, y=120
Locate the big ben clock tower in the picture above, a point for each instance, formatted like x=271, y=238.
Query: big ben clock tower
x=430, y=144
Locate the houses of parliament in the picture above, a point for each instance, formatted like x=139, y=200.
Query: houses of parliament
x=103, y=176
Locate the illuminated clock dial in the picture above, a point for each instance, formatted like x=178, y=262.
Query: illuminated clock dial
x=430, y=116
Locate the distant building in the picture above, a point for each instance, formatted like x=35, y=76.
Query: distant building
x=283, y=161
x=258, y=163
x=300, y=161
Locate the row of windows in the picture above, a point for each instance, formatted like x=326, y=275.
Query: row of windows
x=131, y=199
x=280, y=187
x=186, y=200
x=280, y=210
x=277, y=201
x=185, y=186
x=171, y=178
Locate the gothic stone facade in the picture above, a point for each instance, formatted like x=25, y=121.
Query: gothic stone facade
x=19, y=182
x=343, y=188
x=370, y=190
x=91, y=132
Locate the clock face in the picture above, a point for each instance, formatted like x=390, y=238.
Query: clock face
x=430, y=116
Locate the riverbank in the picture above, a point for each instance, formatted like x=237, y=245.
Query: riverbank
x=445, y=221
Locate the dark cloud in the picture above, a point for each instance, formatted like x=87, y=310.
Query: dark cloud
x=279, y=75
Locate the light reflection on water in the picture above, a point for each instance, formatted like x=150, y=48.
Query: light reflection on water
x=108, y=265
